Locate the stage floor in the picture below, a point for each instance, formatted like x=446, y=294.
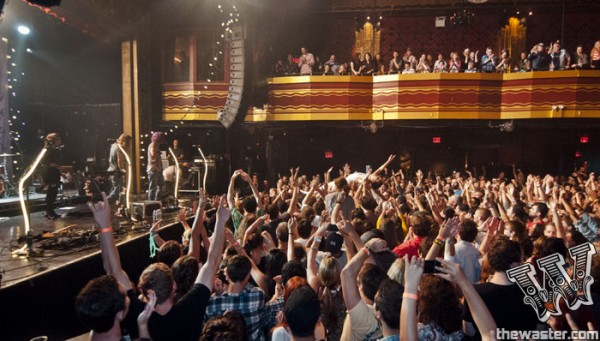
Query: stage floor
x=73, y=239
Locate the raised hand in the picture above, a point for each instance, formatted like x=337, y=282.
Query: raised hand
x=223, y=212
x=229, y=237
x=144, y=316
x=413, y=270
x=201, y=199
x=291, y=224
x=155, y=226
x=451, y=272
x=377, y=245
x=322, y=230
x=345, y=226
x=245, y=177
x=237, y=173
x=182, y=215
x=101, y=211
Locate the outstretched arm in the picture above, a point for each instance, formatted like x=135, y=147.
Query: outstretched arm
x=413, y=270
x=110, y=254
x=230, y=199
x=209, y=269
x=197, y=230
x=313, y=279
x=255, y=191
x=481, y=315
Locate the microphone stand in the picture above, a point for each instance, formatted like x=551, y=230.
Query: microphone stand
x=129, y=176
x=205, y=168
x=176, y=190
x=27, y=249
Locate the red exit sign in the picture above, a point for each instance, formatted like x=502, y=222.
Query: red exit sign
x=584, y=139
x=436, y=139
x=328, y=154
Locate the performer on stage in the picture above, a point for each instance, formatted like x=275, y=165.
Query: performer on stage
x=117, y=163
x=51, y=174
x=177, y=150
x=155, y=169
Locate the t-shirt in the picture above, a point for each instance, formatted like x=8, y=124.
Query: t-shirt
x=361, y=324
x=281, y=334
x=467, y=256
x=129, y=324
x=185, y=319
x=505, y=303
x=409, y=247
x=237, y=216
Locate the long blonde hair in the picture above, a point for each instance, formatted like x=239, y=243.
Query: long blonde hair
x=329, y=274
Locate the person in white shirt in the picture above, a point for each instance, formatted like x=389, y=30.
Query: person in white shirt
x=466, y=254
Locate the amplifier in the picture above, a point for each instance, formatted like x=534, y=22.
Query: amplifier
x=143, y=210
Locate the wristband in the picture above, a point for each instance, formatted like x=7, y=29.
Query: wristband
x=438, y=242
x=410, y=296
x=235, y=244
x=367, y=251
x=318, y=239
x=105, y=230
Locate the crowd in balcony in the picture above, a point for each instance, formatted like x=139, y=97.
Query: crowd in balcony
x=541, y=57
x=354, y=258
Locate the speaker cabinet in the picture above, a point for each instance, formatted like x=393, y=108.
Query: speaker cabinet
x=237, y=62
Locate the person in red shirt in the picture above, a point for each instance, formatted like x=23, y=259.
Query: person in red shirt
x=421, y=225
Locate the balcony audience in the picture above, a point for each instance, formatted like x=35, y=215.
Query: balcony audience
x=540, y=58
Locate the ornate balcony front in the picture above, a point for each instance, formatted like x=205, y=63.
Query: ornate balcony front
x=530, y=95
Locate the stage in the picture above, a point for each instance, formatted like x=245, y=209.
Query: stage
x=38, y=291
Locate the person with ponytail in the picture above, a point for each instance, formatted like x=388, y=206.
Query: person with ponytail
x=325, y=280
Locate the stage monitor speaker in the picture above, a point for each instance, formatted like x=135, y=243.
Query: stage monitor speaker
x=237, y=61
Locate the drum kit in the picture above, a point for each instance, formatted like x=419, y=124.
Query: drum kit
x=6, y=187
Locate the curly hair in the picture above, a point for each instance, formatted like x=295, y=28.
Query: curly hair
x=438, y=303
x=421, y=223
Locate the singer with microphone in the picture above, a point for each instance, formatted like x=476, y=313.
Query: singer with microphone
x=51, y=173
x=117, y=164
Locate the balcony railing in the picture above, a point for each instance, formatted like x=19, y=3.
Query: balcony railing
x=530, y=95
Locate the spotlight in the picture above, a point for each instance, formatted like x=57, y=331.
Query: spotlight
x=29, y=50
x=24, y=30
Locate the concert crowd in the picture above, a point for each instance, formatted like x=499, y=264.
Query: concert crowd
x=385, y=255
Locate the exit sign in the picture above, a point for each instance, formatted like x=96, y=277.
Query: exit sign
x=436, y=139
x=584, y=139
x=328, y=154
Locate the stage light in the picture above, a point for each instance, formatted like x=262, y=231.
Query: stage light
x=29, y=50
x=24, y=30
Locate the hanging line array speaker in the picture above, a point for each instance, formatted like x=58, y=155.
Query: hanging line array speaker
x=231, y=110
